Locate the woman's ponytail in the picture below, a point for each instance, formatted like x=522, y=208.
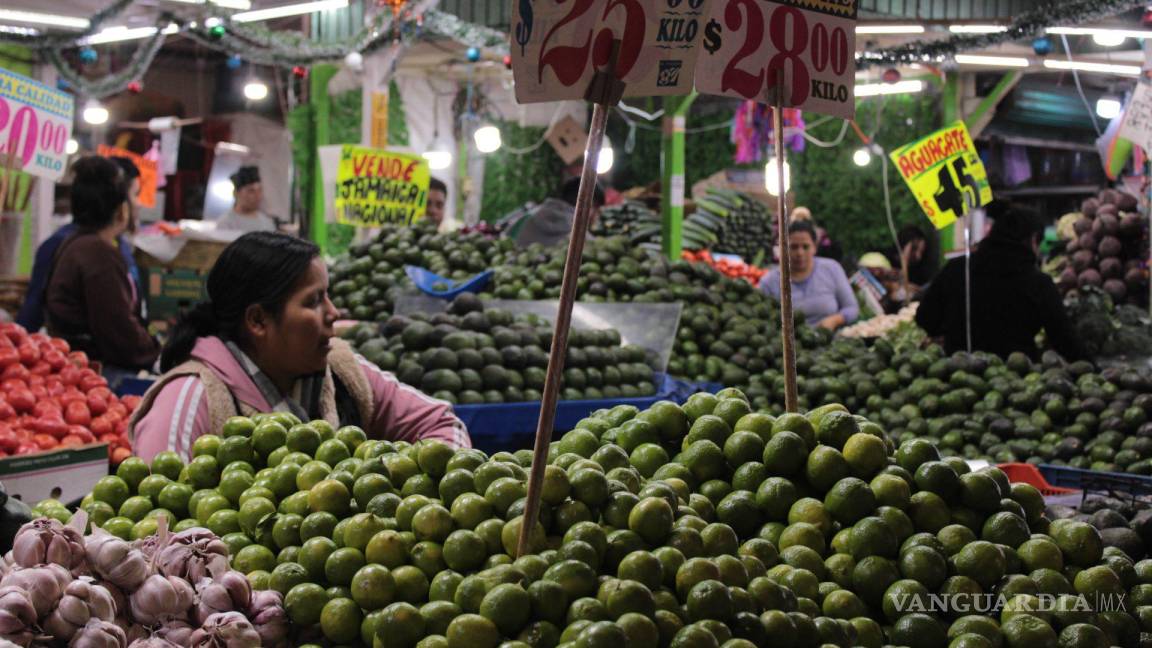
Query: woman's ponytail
x=198, y=322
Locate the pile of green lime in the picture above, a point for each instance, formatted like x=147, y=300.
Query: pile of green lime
x=702, y=524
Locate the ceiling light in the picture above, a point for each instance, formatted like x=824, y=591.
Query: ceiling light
x=900, y=87
x=95, y=113
x=487, y=139
x=889, y=29
x=54, y=20
x=211, y=22
x=861, y=157
x=1100, y=31
x=606, y=158
x=289, y=10
x=977, y=29
x=439, y=155
x=19, y=31
x=1084, y=66
x=242, y=5
x=1108, y=107
x=255, y=90
x=71, y=147
x=122, y=33
x=996, y=61
x=772, y=177
x=223, y=189
x=1109, y=39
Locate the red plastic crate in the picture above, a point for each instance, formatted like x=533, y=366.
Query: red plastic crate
x=1029, y=474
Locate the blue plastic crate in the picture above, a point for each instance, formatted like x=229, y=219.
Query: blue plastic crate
x=1096, y=480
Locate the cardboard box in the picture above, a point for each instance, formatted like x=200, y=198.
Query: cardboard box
x=168, y=292
x=67, y=475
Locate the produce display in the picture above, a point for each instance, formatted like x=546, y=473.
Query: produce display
x=1107, y=330
x=470, y=356
x=880, y=325
x=1124, y=521
x=62, y=588
x=747, y=225
x=1108, y=248
x=728, y=267
x=704, y=524
x=51, y=398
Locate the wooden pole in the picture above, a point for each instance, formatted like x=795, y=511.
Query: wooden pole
x=783, y=221
x=604, y=91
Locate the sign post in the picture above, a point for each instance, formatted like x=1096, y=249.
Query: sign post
x=790, y=54
x=593, y=51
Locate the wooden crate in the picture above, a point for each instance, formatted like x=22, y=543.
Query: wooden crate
x=12, y=293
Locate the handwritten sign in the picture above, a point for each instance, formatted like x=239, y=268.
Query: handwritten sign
x=945, y=174
x=36, y=121
x=375, y=186
x=1137, y=124
x=803, y=48
x=557, y=45
x=149, y=172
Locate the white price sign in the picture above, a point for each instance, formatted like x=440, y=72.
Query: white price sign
x=36, y=122
x=804, y=47
x=557, y=45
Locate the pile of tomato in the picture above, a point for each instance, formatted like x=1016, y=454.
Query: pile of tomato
x=727, y=266
x=51, y=398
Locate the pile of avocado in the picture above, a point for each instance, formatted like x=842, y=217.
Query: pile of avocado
x=470, y=356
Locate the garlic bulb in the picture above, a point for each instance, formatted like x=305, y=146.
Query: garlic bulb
x=268, y=616
x=99, y=634
x=193, y=554
x=161, y=598
x=46, y=540
x=230, y=592
x=83, y=600
x=116, y=561
x=226, y=630
x=44, y=584
x=17, y=615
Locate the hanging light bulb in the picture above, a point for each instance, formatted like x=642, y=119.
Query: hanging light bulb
x=607, y=158
x=487, y=139
x=439, y=156
x=772, y=177
x=71, y=147
x=1108, y=107
x=861, y=157
x=95, y=113
x=255, y=89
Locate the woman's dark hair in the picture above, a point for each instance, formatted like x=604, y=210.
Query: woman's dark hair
x=1014, y=223
x=803, y=226
x=436, y=184
x=910, y=233
x=99, y=188
x=259, y=268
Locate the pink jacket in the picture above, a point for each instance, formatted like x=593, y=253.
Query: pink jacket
x=180, y=412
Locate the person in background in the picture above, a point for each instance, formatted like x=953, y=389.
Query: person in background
x=437, y=199
x=264, y=342
x=820, y=289
x=550, y=222
x=1012, y=299
x=245, y=215
x=31, y=315
x=90, y=300
x=913, y=246
x=825, y=246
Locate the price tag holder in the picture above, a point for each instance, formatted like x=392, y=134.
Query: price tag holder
x=945, y=174
x=804, y=47
x=36, y=121
x=557, y=45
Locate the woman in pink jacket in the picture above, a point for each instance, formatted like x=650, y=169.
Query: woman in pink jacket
x=263, y=342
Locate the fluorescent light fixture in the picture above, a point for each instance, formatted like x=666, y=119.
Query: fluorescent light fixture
x=900, y=87
x=1108, y=107
x=241, y=5
x=53, y=20
x=95, y=113
x=996, y=61
x=1109, y=39
x=1084, y=66
x=977, y=29
x=223, y=189
x=1100, y=31
x=889, y=29
x=289, y=10
x=20, y=31
x=122, y=33
x=255, y=90
x=861, y=157
x=232, y=147
x=71, y=147
x=487, y=139
x=606, y=158
x=772, y=177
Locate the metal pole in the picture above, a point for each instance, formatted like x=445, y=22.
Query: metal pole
x=787, y=326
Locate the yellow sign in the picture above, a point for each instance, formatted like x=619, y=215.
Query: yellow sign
x=375, y=186
x=379, y=137
x=945, y=174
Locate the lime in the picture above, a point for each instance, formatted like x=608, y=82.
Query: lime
x=433, y=457
x=234, y=483
x=132, y=470
x=303, y=438
x=223, y=522
x=238, y=426
x=268, y=437
x=287, y=575
x=331, y=496
x=212, y=502
x=508, y=606
x=866, y=454
x=368, y=486
x=206, y=444
x=112, y=490
x=342, y=565
x=135, y=508
x=320, y=524
x=400, y=625
x=253, y=515
x=203, y=472
x=167, y=463
x=468, y=630
x=332, y=452
x=412, y=585
x=373, y=587
x=252, y=558
x=314, y=554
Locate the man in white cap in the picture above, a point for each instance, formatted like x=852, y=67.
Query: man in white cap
x=245, y=215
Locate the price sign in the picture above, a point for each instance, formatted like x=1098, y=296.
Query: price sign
x=804, y=48
x=35, y=121
x=945, y=174
x=557, y=45
x=1137, y=123
x=375, y=187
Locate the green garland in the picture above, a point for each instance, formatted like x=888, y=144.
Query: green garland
x=113, y=83
x=1029, y=24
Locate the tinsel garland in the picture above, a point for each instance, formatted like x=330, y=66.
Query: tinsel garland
x=112, y=83
x=1028, y=24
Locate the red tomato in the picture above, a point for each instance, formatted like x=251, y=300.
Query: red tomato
x=9, y=356
x=96, y=404
x=8, y=384
x=9, y=441
x=55, y=389
x=131, y=402
x=57, y=429
x=122, y=428
x=45, y=441
x=59, y=344
x=38, y=392
x=29, y=354
x=78, y=359
x=55, y=359
x=77, y=413
x=47, y=409
x=100, y=426
x=82, y=432
x=117, y=409
x=21, y=399
x=108, y=438
x=103, y=392
x=17, y=370
x=6, y=411
x=118, y=455
x=93, y=381
x=71, y=441
x=70, y=375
